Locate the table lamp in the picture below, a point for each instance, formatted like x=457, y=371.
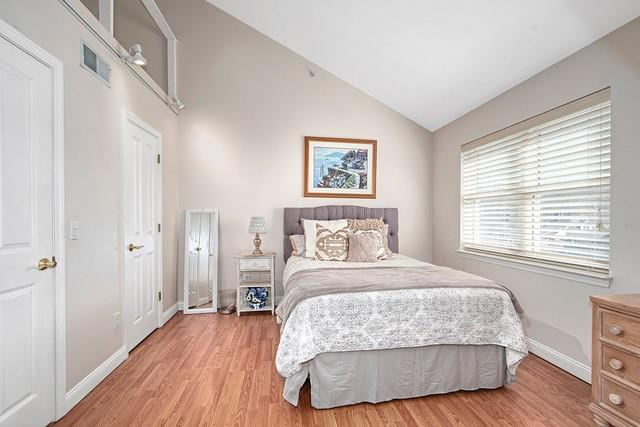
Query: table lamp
x=257, y=226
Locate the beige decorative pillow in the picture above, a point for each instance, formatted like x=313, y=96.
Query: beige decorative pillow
x=365, y=224
x=297, y=243
x=331, y=245
x=364, y=246
x=310, y=232
x=372, y=224
x=381, y=252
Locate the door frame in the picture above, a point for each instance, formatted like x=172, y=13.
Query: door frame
x=25, y=44
x=128, y=116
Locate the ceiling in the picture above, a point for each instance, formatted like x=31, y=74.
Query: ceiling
x=433, y=60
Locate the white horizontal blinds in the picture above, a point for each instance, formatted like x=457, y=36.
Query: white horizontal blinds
x=543, y=191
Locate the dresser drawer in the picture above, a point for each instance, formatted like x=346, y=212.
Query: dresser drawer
x=621, y=364
x=255, y=264
x=621, y=329
x=618, y=398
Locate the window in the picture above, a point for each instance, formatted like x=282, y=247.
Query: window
x=540, y=190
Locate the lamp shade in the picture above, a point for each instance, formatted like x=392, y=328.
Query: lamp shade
x=257, y=225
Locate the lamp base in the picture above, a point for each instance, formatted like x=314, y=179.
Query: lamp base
x=256, y=243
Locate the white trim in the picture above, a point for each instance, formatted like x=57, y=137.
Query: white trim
x=562, y=361
x=172, y=69
x=159, y=18
x=548, y=270
x=169, y=313
x=88, y=383
x=172, y=56
x=18, y=39
x=129, y=117
x=179, y=305
x=105, y=14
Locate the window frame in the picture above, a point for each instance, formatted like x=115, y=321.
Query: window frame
x=576, y=272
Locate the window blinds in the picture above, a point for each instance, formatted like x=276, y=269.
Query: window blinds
x=540, y=190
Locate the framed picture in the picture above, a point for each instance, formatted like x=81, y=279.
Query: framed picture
x=339, y=167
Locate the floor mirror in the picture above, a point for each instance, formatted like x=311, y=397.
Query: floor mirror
x=200, y=281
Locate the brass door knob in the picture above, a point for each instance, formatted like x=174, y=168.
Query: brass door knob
x=44, y=263
x=132, y=247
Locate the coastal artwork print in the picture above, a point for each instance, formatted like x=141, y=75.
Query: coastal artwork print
x=339, y=167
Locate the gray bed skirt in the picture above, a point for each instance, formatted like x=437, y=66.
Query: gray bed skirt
x=374, y=376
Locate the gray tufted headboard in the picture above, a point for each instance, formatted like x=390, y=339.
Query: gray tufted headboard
x=293, y=220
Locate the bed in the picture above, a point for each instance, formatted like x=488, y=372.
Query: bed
x=399, y=328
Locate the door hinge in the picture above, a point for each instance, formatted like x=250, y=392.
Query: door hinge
x=158, y=228
x=158, y=158
x=159, y=295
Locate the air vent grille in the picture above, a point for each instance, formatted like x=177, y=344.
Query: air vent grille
x=92, y=62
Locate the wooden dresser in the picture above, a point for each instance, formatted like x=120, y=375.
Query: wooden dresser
x=615, y=365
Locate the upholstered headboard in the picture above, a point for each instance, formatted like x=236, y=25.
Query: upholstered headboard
x=293, y=220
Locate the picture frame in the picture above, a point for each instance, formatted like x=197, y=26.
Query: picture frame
x=340, y=167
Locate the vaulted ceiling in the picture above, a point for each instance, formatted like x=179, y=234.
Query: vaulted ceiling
x=433, y=60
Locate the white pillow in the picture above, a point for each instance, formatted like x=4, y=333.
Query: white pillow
x=310, y=232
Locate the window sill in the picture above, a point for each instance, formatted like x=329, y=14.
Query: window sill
x=579, y=276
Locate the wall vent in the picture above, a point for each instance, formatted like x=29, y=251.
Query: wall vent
x=95, y=64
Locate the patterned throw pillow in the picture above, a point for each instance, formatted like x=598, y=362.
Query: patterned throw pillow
x=365, y=224
x=374, y=235
x=297, y=244
x=364, y=246
x=373, y=224
x=331, y=245
x=310, y=232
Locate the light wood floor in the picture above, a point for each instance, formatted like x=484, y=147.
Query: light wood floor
x=211, y=369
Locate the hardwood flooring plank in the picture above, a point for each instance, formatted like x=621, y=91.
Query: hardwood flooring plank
x=217, y=370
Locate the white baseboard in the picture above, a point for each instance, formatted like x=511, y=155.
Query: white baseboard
x=169, y=313
x=180, y=306
x=563, y=362
x=80, y=390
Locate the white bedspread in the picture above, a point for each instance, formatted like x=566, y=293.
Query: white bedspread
x=395, y=319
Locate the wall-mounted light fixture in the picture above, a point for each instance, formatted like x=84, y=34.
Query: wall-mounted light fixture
x=136, y=56
x=177, y=103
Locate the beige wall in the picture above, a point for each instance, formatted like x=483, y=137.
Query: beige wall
x=250, y=101
x=557, y=312
x=93, y=114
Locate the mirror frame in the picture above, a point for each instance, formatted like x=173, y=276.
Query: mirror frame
x=212, y=259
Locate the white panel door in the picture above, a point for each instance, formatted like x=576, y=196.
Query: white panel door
x=27, y=369
x=141, y=191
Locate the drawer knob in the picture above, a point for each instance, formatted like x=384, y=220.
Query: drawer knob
x=616, y=399
x=615, y=329
x=616, y=364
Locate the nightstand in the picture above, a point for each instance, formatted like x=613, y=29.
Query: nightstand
x=255, y=271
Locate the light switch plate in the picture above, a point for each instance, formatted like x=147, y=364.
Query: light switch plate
x=74, y=230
